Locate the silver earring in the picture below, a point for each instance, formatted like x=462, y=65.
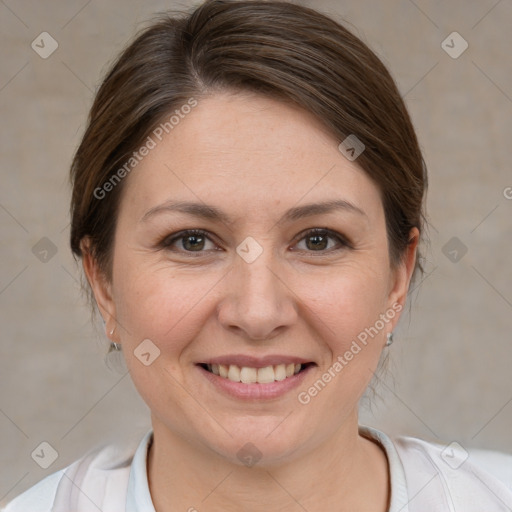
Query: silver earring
x=389, y=340
x=114, y=347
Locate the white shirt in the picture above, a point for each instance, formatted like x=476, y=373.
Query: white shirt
x=425, y=477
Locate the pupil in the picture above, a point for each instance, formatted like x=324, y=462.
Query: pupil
x=195, y=242
x=319, y=241
x=196, y=239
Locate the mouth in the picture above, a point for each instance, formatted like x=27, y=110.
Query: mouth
x=252, y=375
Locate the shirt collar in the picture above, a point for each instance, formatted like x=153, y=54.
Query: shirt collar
x=399, y=496
x=138, y=498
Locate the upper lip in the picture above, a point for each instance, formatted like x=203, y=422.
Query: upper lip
x=255, y=362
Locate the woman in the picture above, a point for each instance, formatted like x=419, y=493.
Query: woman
x=247, y=203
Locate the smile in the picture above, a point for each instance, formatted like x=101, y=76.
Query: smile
x=246, y=377
x=249, y=375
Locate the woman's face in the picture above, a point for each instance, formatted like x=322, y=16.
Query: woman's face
x=254, y=287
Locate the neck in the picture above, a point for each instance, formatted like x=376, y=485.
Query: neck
x=346, y=472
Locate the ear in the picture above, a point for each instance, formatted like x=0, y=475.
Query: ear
x=402, y=274
x=101, y=287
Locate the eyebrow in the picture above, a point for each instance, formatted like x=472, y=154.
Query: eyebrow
x=210, y=212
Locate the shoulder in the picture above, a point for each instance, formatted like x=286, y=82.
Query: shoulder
x=498, y=464
x=466, y=478
x=100, y=477
x=38, y=498
x=453, y=456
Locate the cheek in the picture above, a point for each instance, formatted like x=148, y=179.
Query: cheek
x=171, y=307
x=346, y=306
x=161, y=305
x=347, y=301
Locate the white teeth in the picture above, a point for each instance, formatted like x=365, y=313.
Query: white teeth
x=266, y=375
x=280, y=371
x=223, y=370
x=249, y=375
x=234, y=373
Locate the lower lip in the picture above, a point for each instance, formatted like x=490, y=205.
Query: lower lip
x=256, y=391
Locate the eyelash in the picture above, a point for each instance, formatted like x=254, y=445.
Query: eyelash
x=167, y=242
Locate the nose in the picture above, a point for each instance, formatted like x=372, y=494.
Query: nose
x=258, y=302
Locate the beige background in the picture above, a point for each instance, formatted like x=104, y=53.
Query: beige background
x=451, y=358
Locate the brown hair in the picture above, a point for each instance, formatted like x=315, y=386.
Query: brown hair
x=275, y=48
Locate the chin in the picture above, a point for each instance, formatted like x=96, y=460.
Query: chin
x=264, y=441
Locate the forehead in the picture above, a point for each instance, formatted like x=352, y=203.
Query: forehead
x=251, y=152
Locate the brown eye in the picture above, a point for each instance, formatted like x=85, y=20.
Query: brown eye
x=315, y=242
x=193, y=242
x=188, y=241
x=322, y=240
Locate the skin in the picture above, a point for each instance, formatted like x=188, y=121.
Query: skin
x=254, y=158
